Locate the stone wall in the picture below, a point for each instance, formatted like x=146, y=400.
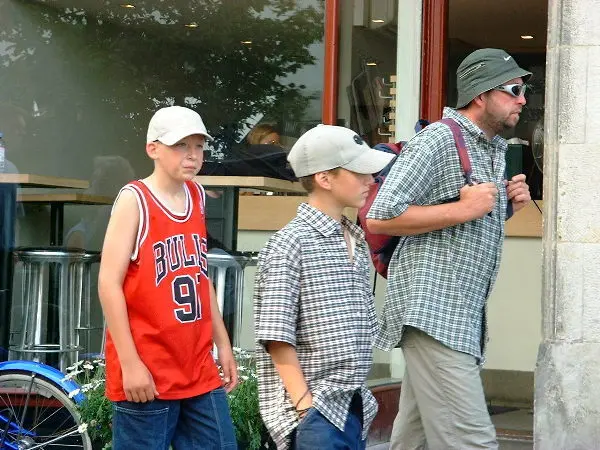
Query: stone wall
x=567, y=391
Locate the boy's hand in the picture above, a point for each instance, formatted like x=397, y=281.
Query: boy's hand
x=517, y=191
x=138, y=383
x=229, y=366
x=479, y=199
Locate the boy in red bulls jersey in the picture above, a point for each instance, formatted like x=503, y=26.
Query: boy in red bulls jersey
x=160, y=305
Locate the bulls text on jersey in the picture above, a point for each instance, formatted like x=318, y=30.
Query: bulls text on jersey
x=171, y=256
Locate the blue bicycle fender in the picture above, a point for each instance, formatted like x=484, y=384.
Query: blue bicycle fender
x=45, y=371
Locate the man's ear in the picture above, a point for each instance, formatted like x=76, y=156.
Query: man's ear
x=481, y=99
x=152, y=150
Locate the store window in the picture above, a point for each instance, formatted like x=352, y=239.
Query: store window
x=367, y=63
x=519, y=28
x=80, y=79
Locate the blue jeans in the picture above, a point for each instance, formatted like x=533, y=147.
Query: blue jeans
x=201, y=422
x=316, y=432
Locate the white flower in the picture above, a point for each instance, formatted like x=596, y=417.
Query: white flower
x=88, y=366
x=72, y=375
x=82, y=428
x=74, y=392
x=74, y=366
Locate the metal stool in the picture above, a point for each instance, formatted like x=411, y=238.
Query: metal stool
x=67, y=272
x=220, y=265
x=83, y=310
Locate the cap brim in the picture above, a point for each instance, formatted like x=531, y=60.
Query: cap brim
x=173, y=137
x=370, y=161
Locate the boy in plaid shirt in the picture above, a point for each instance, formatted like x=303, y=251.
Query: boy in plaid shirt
x=314, y=310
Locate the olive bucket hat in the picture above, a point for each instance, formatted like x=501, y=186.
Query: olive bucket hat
x=483, y=70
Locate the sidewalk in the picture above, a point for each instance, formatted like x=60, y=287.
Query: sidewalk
x=514, y=429
x=503, y=446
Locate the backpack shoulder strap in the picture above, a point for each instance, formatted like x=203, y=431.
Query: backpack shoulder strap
x=461, y=146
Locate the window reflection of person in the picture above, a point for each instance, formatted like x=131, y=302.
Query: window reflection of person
x=110, y=173
x=263, y=134
x=13, y=126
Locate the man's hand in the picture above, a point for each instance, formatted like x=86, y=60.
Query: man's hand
x=517, y=191
x=229, y=366
x=138, y=383
x=478, y=200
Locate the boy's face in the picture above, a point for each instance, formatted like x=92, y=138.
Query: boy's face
x=350, y=189
x=181, y=161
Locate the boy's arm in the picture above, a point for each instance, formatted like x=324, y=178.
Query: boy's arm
x=285, y=360
x=277, y=295
x=221, y=339
x=119, y=242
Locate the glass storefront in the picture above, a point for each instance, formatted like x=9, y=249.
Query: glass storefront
x=80, y=79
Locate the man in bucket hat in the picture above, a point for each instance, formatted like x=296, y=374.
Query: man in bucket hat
x=444, y=268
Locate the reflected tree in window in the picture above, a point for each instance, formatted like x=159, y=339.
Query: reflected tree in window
x=94, y=69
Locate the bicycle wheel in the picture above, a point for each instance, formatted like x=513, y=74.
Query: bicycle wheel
x=37, y=414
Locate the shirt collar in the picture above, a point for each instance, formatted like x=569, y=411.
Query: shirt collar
x=470, y=127
x=465, y=122
x=325, y=224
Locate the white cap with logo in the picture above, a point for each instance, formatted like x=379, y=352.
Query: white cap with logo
x=327, y=147
x=171, y=124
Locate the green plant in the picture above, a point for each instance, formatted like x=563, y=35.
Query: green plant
x=96, y=409
x=250, y=430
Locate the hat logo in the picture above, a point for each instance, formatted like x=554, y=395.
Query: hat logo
x=358, y=139
x=507, y=58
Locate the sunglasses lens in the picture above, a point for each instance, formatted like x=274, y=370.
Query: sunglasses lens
x=518, y=89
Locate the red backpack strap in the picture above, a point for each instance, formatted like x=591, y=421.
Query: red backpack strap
x=463, y=154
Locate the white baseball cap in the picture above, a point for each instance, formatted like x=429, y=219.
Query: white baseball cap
x=171, y=124
x=327, y=147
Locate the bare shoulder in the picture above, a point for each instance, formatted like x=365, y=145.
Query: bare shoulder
x=122, y=227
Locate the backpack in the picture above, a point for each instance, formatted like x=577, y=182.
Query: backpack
x=381, y=246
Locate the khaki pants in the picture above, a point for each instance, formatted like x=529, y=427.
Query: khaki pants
x=442, y=405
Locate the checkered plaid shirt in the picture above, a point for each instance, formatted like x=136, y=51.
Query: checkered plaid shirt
x=309, y=294
x=439, y=282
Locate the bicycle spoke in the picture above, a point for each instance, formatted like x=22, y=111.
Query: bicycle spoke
x=38, y=414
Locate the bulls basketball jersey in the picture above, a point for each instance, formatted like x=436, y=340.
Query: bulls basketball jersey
x=168, y=302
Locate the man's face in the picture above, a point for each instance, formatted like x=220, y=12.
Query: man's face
x=503, y=109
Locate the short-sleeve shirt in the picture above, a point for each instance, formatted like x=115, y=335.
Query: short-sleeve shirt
x=309, y=294
x=439, y=281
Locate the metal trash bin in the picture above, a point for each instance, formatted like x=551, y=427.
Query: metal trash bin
x=227, y=274
x=68, y=271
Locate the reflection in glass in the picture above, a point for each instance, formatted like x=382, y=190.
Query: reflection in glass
x=80, y=79
x=88, y=74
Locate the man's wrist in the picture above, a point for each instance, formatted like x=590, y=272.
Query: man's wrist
x=463, y=213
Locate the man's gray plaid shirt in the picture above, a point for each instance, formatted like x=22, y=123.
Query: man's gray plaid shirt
x=439, y=282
